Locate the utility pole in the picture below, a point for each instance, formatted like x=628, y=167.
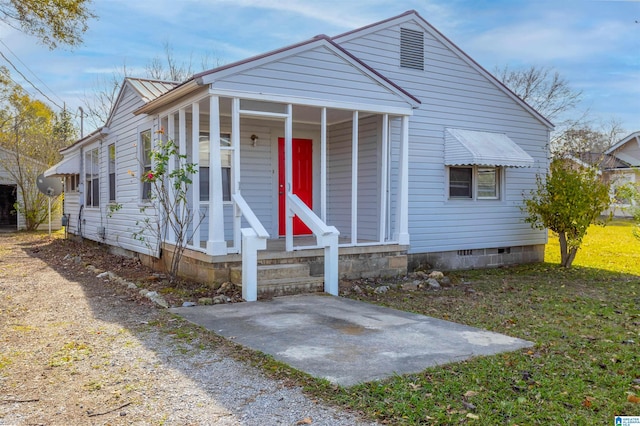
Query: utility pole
x=81, y=122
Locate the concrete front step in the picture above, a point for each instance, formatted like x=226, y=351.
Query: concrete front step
x=286, y=270
x=282, y=279
x=289, y=286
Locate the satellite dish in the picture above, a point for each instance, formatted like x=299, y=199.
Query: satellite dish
x=51, y=186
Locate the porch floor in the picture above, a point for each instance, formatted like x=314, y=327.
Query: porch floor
x=347, y=341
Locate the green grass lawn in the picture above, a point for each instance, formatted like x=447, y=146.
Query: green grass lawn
x=583, y=370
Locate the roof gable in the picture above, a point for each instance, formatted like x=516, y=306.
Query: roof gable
x=317, y=62
x=631, y=141
x=145, y=89
x=414, y=20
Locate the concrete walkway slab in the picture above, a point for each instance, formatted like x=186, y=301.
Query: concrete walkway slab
x=347, y=341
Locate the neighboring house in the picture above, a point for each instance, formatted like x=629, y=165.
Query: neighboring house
x=10, y=194
x=392, y=147
x=625, y=169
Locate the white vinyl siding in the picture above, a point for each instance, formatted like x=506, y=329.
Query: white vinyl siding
x=318, y=73
x=455, y=94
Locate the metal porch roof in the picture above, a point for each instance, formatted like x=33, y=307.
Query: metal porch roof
x=68, y=166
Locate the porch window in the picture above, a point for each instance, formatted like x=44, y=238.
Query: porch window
x=474, y=182
x=145, y=154
x=112, y=172
x=226, y=154
x=92, y=178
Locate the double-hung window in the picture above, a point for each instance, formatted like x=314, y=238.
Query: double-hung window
x=92, y=177
x=226, y=155
x=111, y=152
x=145, y=155
x=474, y=182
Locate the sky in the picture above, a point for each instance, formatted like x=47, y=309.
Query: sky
x=593, y=44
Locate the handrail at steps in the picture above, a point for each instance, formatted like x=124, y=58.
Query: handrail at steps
x=253, y=239
x=250, y=216
x=306, y=215
x=327, y=236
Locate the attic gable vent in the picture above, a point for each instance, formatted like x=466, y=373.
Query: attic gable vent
x=411, y=49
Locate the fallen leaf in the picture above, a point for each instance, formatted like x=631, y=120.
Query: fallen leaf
x=588, y=401
x=413, y=386
x=473, y=416
x=470, y=393
x=634, y=399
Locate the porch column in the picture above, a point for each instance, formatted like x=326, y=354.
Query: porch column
x=235, y=169
x=323, y=165
x=288, y=172
x=402, y=211
x=195, y=181
x=354, y=179
x=182, y=147
x=171, y=135
x=384, y=185
x=216, y=244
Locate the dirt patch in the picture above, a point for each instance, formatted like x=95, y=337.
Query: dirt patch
x=77, y=349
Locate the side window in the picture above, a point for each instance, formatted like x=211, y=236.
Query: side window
x=145, y=155
x=460, y=182
x=71, y=183
x=474, y=182
x=112, y=172
x=92, y=178
x=488, y=183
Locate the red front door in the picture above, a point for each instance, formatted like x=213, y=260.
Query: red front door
x=302, y=181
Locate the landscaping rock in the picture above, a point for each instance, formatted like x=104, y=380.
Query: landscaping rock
x=445, y=282
x=382, y=289
x=188, y=304
x=221, y=299
x=356, y=289
x=411, y=286
x=433, y=283
x=437, y=275
x=205, y=301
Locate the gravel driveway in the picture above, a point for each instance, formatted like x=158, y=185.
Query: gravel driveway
x=75, y=349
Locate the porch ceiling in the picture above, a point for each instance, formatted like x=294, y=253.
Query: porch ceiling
x=301, y=113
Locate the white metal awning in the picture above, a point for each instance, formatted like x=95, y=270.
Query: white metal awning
x=68, y=166
x=470, y=147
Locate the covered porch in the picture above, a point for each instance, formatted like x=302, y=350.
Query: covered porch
x=289, y=175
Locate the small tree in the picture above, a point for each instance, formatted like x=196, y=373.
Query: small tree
x=629, y=193
x=567, y=200
x=169, y=190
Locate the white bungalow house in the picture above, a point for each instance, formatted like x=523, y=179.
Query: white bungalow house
x=366, y=154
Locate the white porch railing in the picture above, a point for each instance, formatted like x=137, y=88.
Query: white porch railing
x=253, y=239
x=326, y=236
